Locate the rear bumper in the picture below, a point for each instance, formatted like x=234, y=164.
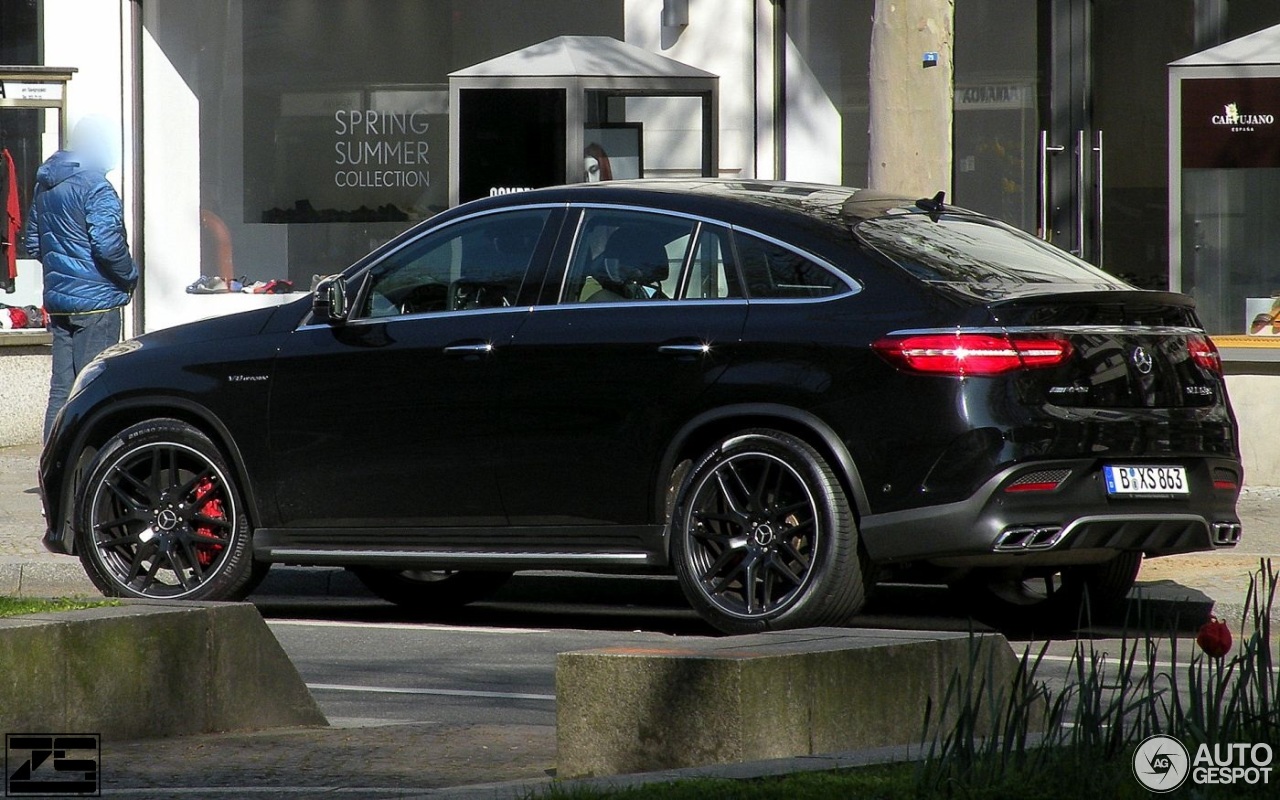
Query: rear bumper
x=1075, y=523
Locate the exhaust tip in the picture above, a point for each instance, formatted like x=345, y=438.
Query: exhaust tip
x=1022, y=538
x=1226, y=534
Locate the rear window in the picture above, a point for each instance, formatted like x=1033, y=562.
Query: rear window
x=977, y=254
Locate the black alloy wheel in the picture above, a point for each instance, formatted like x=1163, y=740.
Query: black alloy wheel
x=764, y=538
x=1051, y=600
x=425, y=591
x=160, y=516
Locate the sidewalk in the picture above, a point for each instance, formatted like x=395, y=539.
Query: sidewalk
x=457, y=761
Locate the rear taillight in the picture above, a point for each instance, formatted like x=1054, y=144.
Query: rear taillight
x=1204, y=352
x=971, y=353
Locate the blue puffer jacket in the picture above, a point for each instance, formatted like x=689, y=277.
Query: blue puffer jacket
x=76, y=229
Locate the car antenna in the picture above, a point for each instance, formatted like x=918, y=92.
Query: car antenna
x=933, y=206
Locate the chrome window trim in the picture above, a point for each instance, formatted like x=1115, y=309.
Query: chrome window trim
x=682, y=279
x=574, y=244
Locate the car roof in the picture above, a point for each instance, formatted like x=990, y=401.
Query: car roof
x=841, y=206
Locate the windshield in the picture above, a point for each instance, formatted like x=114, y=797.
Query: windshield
x=979, y=255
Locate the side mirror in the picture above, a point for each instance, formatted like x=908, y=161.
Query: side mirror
x=329, y=303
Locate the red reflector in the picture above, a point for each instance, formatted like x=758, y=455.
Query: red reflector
x=1204, y=352
x=1045, y=486
x=971, y=353
x=1225, y=485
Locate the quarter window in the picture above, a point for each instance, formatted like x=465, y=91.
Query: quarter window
x=479, y=263
x=772, y=271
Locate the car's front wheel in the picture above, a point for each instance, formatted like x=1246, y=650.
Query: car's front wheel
x=763, y=537
x=160, y=515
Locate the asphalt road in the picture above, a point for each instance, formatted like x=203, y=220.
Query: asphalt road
x=369, y=663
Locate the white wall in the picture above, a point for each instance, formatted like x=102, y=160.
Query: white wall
x=719, y=39
x=733, y=39
x=1253, y=398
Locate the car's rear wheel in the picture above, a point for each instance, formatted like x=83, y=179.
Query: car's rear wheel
x=763, y=537
x=425, y=591
x=1051, y=599
x=160, y=515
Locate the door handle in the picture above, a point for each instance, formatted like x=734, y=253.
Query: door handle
x=685, y=350
x=469, y=349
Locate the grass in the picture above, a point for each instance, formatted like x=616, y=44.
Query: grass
x=1024, y=740
x=17, y=606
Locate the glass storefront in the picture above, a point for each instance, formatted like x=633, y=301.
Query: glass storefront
x=996, y=110
x=288, y=137
x=21, y=136
x=282, y=139
x=1229, y=164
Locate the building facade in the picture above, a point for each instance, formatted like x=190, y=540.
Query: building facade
x=276, y=140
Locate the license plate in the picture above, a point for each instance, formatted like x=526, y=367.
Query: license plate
x=1123, y=481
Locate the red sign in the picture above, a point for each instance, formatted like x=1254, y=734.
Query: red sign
x=1230, y=123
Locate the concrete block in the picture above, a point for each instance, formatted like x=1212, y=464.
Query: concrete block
x=765, y=696
x=147, y=670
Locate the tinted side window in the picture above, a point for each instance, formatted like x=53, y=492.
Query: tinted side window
x=623, y=256
x=479, y=263
x=711, y=272
x=772, y=271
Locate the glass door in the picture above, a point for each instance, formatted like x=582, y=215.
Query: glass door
x=1130, y=47
x=1070, y=145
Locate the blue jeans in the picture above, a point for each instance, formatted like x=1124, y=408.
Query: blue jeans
x=77, y=339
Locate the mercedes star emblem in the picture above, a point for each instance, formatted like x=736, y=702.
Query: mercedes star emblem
x=1142, y=360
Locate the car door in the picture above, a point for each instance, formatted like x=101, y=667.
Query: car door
x=645, y=317
x=389, y=419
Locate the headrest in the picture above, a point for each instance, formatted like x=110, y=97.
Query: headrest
x=639, y=254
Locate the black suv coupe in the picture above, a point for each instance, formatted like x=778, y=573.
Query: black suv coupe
x=781, y=392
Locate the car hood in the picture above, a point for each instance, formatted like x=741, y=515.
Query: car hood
x=229, y=326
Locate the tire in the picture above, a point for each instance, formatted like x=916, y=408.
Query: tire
x=763, y=537
x=426, y=591
x=1050, y=601
x=161, y=516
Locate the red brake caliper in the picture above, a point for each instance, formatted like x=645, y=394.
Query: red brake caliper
x=213, y=510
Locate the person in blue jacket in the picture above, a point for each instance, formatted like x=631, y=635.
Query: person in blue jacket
x=75, y=228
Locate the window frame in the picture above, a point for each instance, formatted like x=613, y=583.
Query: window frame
x=532, y=278
x=556, y=283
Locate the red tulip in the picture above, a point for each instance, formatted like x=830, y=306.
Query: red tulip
x=1214, y=638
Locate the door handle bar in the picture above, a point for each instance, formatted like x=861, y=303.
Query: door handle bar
x=684, y=349
x=478, y=349
x=1045, y=150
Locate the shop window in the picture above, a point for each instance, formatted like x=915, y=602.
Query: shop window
x=285, y=139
